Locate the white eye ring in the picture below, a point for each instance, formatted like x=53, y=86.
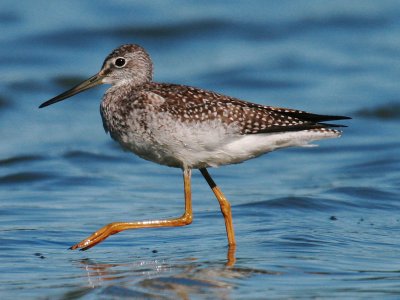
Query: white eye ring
x=120, y=62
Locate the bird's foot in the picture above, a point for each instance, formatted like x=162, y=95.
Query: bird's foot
x=97, y=237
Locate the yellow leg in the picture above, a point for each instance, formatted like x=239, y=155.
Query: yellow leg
x=225, y=207
x=116, y=227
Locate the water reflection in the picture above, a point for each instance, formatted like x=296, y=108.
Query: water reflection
x=158, y=279
x=231, y=256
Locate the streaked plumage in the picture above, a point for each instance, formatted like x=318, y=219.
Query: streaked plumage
x=182, y=126
x=189, y=128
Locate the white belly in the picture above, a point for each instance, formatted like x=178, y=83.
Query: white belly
x=208, y=144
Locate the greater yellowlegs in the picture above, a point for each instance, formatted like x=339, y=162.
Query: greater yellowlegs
x=188, y=128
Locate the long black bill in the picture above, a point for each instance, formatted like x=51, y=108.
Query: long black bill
x=87, y=84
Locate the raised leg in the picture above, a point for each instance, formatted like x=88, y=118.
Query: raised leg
x=225, y=206
x=116, y=227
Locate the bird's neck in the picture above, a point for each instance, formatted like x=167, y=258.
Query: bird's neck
x=123, y=92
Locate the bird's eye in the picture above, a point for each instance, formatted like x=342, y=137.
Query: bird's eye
x=120, y=62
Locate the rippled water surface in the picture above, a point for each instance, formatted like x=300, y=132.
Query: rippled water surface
x=317, y=222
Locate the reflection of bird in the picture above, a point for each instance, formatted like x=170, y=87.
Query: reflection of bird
x=188, y=128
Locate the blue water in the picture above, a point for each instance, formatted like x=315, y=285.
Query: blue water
x=317, y=222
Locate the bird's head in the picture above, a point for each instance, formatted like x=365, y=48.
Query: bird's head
x=128, y=64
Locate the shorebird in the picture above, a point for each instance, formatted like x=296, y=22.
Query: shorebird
x=188, y=128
